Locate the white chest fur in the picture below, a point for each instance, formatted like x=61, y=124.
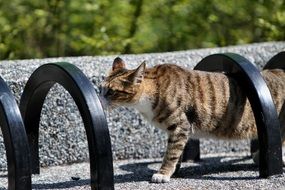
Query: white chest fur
x=144, y=106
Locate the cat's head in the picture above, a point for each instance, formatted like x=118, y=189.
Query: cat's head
x=122, y=87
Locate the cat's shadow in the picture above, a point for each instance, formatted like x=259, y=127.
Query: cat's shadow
x=214, y=165
x=136, y=172
x=200, y=170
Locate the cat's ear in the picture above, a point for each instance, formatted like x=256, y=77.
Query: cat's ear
x=137, y=76
x=118, y=64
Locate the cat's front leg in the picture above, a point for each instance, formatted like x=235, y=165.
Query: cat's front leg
x=178, y=137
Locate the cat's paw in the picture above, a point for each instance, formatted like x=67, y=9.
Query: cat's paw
x=160, y=178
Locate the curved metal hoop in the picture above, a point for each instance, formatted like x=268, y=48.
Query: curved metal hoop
x=276, y=62
x=84, y=95
x=261, y=102
x=15, y=140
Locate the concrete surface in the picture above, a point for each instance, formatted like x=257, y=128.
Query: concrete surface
x=215, y=172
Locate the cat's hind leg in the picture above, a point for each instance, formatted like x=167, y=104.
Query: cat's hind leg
x=177, y=139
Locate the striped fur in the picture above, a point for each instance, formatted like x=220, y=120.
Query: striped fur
x=187, y=103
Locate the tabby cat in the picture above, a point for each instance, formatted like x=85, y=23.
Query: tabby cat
x=187, y=104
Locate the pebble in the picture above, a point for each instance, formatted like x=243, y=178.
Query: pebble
x=75, y=178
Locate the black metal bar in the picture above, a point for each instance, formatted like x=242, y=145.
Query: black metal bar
x=253, y=146
x=251, y=81
x=85, y=97
x=191, y=151
x=276, y=62
x=15, y=140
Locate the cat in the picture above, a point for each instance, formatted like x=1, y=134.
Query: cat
x=187, y=104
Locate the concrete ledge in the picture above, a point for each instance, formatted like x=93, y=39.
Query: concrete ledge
x=62, y=136
x=217, y=171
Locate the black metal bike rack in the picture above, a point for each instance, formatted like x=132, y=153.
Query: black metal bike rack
x=84, y=95
x=251, y=81
x=15, y=140
x=276, y=62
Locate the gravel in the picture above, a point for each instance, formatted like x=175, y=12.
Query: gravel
x=62, y=137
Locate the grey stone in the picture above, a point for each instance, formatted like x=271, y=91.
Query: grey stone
x=62, y=136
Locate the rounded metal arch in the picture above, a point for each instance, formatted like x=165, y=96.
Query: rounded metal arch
x=251, y=81
x=276, y=62
x=15, y=140
x=85, y=97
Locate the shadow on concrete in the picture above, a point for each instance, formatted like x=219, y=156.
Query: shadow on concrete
x=214, y=165
x=199, y=170
x=62, y=185
x=139, y=172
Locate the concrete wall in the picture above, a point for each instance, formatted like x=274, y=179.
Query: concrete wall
x=62, y=136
